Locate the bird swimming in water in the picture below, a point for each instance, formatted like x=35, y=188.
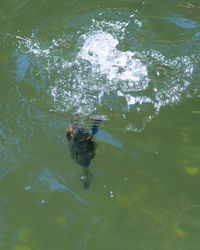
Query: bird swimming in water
x=82, y=147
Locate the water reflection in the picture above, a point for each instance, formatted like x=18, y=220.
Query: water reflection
x=46, y=181
x=183, y=22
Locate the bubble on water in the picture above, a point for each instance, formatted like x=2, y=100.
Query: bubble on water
x=111, y=194
x=42, y=202
x=27, y=188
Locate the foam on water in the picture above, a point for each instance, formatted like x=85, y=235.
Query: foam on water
x=96, y=72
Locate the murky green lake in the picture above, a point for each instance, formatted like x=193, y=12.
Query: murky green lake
x=134, y=63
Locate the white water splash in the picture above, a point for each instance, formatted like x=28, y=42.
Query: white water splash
x=96, y=72
x=100, y=49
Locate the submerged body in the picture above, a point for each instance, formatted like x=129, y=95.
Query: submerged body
x=82, y=150
x=82, y=147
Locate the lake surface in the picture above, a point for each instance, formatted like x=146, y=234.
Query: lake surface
x=134, y=63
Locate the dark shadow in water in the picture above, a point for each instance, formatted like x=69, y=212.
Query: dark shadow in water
x=82, y=147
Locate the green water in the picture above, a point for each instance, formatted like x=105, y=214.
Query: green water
x=135, y=64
